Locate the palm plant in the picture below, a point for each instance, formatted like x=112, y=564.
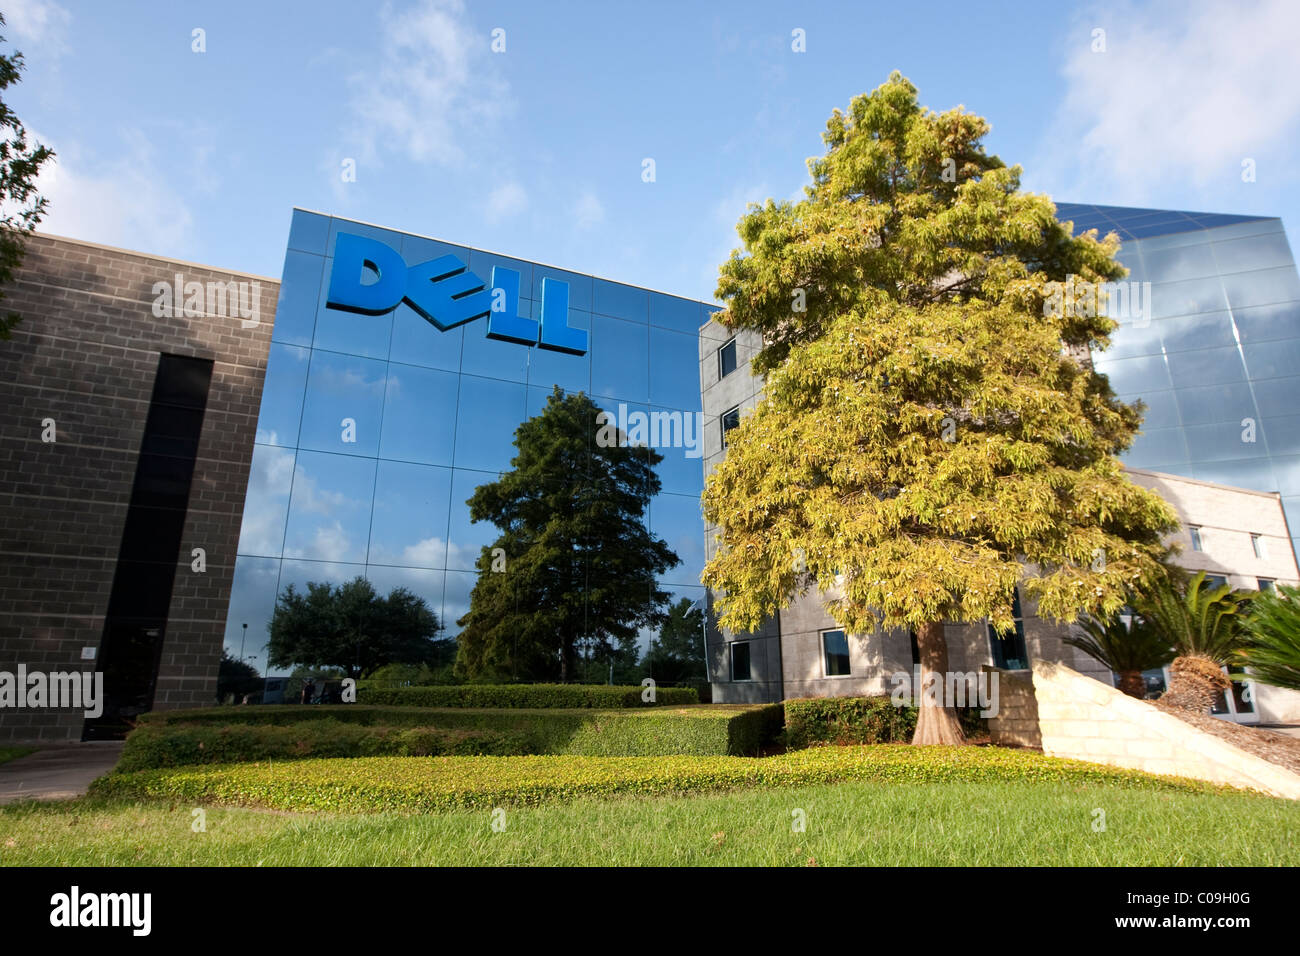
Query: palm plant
x=1272, y=638
x=1204, y=625
x=1128, y=650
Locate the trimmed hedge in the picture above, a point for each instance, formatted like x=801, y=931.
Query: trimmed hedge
x=177, y=738
x=525, y=695
x=845, y=721
x=373, y=784
x=163, y=745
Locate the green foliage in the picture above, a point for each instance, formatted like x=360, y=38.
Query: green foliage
x=677, y=654
x=21, y=207
x=170, y=745
x=444, y=784
x=236, y=677
x=1137, y=646
x=1196, y=619
x=203, y=737
x=1272, y=638
x=847, y=720
x=351, y=627
x=575, y=566
x=13, y=753
x=924, y=441
x=527, y=695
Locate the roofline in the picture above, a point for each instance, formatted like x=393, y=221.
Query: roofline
x=154, y=256
x=490, y=252
x=1198, y=481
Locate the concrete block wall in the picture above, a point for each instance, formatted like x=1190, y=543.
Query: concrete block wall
x=85, y=354
x=1084, y=719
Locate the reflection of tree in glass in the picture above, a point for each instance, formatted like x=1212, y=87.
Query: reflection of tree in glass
x=351, y=627
x=579, y=562
x=677, y=654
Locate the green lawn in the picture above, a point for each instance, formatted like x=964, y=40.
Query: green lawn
x=13, y=753
x=866, y=823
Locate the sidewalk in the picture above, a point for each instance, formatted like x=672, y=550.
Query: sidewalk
x=57, y=771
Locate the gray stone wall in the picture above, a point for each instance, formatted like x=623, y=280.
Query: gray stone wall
x=85, y=355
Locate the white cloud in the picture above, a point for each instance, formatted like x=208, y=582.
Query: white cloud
x=41, y=24
x=126, y=202
x=508, y=199
x=1181, y=95
x=433, y=88
x=588, y=211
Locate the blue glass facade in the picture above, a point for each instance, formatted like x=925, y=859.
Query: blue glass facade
x=1218, y=360
x=375, y=429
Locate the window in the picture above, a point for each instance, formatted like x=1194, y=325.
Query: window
x=1197, y=543
x=835, y=652
x=729, y=421
x=740, y=661
x=1009, y=651
x=1265, y=584
x=1257, y=544
x=727, y=359
x=1214, y=581
x=916, y=648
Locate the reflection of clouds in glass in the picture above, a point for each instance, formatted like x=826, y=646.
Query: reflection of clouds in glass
x=262, y=531
x=346, y=380
x=329, y=512
x=329, y=543
x=427, y=553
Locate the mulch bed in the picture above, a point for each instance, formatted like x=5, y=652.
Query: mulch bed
x=1269, y=745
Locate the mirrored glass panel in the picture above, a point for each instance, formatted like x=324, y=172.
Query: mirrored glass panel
x=282, y=395
x=295, y=312
x=489, y=413
x=419, y=415
x=624, y=301
x=678, y=520
x=619, y=363
x=674, y=375
x=252, y=602
x=416, y=341
x=409, y=525
x=344, y=404
x=266, y=504
x=329, y=510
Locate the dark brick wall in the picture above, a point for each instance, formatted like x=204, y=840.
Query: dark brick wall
x=85, y=355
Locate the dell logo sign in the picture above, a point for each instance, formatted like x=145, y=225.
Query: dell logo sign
x=447, y=294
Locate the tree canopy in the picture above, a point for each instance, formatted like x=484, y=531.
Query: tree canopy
x=21, y=207
x=575, y=564
x=352, y=627
x=928, y=437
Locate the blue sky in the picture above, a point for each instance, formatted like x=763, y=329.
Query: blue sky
x=537, y=151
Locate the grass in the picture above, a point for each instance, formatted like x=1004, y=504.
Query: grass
x=986, y=823
x=13, y=753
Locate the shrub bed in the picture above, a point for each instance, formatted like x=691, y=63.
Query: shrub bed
x=526, y=695
x=845, y=721
x=374, y=784
x=233, y=735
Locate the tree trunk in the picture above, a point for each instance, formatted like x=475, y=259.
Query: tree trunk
x=935, y=724
x=1133, y=684
x=1194, y=683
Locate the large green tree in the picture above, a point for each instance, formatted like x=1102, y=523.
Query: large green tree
x=352, y=627
x=677, y=654
x=928, y=437
x=574, y=561
x=21, y=207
